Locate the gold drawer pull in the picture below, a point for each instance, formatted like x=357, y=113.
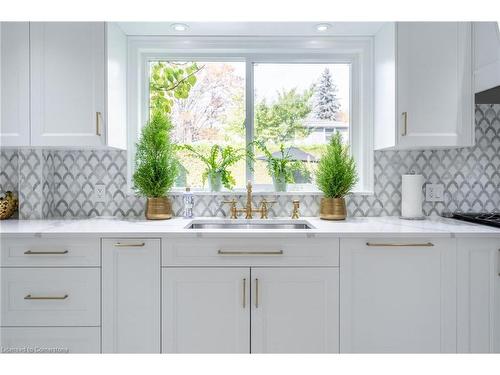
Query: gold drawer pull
x=223, y=252
x=30, y=297
x=244, y=293
x=30, y=252
x=256, y=293
x=425, y=244
x=141, y=244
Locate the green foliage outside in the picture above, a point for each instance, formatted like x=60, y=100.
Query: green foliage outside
x=336, y=174
x=156, y=162
x=169, y=81
x=283, y=167
x=218, y=162
x=282, y=121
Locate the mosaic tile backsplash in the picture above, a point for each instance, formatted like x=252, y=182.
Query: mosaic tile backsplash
x=60, y=184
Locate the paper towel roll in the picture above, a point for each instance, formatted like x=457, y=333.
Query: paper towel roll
x=411, y=196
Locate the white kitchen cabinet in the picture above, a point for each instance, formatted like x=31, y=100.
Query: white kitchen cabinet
x=423, y=85
x=14, y=84
x=486, y=55
x=50, y=340
x=478, y=297
x=398, y=295
x=63, y=85
x=68, y=83
x=206, y=310
x=295, y=310
x=131, y=295
x=50, y=297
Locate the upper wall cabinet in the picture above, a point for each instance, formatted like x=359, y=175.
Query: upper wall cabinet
x=14, y=84
x=423, y=85
x=76, y=73
x=486, y=55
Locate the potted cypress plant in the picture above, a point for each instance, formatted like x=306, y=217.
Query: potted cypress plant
x=336, y=176
x=157, y=166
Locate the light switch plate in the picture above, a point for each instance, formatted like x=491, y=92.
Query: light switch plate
x=434, y=192
x=99, y=193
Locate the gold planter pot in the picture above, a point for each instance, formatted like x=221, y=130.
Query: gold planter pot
x=158, y=209
x=332, y=209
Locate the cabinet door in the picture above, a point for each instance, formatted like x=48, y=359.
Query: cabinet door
x=478, y=296
x=295, y=310
x=486, y=55
x=397, y=295
x=14, y=84
x=131, y=295
x=206, y=310
x=67, y=83
x=434, y=84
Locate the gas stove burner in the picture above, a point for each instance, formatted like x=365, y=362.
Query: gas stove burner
x=486, y=218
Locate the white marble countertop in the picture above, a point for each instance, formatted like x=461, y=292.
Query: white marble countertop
x=352, y=227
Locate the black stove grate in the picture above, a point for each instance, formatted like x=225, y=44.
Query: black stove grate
x=492, y=219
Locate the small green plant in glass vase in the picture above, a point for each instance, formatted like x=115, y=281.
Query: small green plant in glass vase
x=336, y=176
x=156, y=166
x=217, y=165
x=280, y=165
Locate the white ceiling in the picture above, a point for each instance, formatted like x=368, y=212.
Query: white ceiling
x=252, y=28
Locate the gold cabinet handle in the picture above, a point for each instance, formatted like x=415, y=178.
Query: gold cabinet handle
x=30, y=297
x=404, y=128
x=119, y=244
x=256, y=293
x=98, y=124
x=244, y=293
x=31, y=252
x=223, y=252
x=425, y=244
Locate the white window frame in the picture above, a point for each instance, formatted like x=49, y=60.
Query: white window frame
x=356, y=51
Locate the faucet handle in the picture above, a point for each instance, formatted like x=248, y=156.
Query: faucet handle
x=296, y=206
x=264, y=208
x=233, y=210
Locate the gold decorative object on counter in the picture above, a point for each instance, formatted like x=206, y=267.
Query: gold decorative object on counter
x=158, y=209
x=296, y=206
x=332, y=209
x=249, y=210
x=8, y=205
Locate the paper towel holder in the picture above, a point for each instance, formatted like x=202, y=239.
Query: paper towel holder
x=419, y=217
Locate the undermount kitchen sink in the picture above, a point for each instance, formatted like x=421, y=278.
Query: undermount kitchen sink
x=248, y=225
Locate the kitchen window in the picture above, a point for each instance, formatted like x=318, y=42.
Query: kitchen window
x=291, y=91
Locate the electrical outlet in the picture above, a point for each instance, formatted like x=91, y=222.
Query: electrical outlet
x=99, y=193
x=434, y=192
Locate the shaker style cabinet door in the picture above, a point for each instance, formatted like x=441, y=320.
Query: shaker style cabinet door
x=131, y=295
x=67, y=83
x=398, y=295
x=14, y=84
x=434, y=84
x=206, y=310
x=295, y=310
x=478, y=295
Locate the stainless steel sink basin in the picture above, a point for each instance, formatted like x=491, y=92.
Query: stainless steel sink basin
x=246, y=225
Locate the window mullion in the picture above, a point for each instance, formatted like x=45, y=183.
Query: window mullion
x=249, y=114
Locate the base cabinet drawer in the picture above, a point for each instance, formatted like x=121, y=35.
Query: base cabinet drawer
x=50, y=340
x=50, y=297
x=250, y=251
x=47, y=252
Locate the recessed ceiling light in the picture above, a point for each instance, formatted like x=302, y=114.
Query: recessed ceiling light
x=179, y=27
x=323, y=27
